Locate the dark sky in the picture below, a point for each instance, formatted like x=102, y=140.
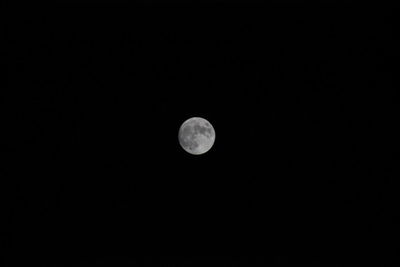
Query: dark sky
x=301, y=171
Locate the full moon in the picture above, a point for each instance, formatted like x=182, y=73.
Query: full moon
x=196, y=136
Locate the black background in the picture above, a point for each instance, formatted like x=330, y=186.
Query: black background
x=301, y=170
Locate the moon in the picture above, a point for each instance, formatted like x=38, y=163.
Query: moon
x=196, y=136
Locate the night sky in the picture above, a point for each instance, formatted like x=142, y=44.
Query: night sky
x=302, y=169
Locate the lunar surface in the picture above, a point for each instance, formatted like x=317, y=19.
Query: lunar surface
x=196, y=136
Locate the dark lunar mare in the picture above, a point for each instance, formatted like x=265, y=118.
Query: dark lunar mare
x=202, y=130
